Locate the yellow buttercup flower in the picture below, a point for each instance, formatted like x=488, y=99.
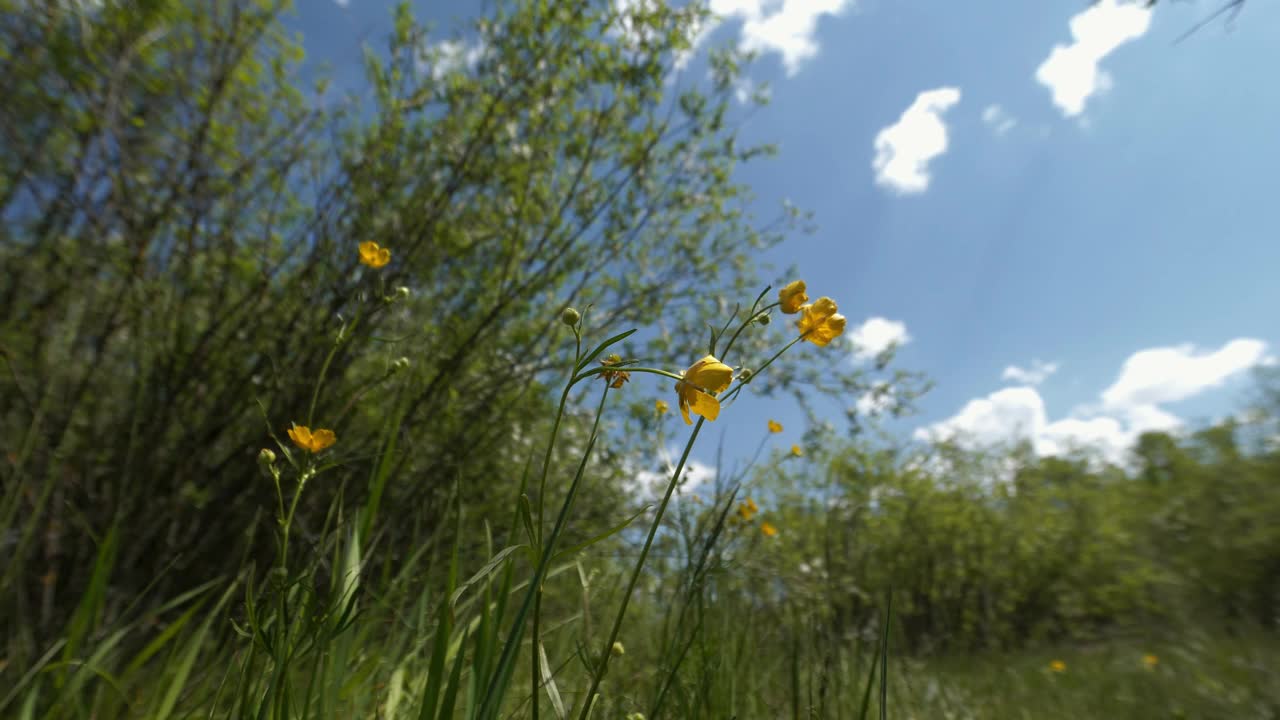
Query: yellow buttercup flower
x=747, y=508
x=775, y=426
x=792, y=297
x=314, y=441
x=1058, y=666
x=768, y=529
x=697, y=391
x=614, y=378
x=820, y=323
x=1150, y=661
x=660, y=406
x=373, y=255
x=796, y=450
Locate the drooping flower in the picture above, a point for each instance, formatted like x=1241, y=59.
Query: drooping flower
x=699, y=386
x=820, y=323
x=768, y=529
x=797, y=450
x=660, y=406
x=1058, y=666
x=792, y=297
x=311, y=440
x=615, y=378
x=374, y=255
x=775, y=426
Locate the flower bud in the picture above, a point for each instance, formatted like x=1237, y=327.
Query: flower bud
x=400, y=364
x=266, y=458
x=570, y=317
x=403, y=292
x=745, y=375
x=763, y=319
x=617, y=649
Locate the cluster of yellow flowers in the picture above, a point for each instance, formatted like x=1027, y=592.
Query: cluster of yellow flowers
x=820, y=321
x=747, y=510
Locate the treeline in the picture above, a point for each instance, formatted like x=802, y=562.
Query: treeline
x=1003, y=549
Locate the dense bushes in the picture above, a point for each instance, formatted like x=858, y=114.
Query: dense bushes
x=1003, y=549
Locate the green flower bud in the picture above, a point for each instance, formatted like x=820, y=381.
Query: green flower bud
x=570, y=317
x=617, y=649
x=266, y=458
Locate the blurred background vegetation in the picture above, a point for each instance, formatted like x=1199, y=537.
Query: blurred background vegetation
x=178, y=273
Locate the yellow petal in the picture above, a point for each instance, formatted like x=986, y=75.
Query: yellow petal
x=710, y=374
x=301, y=436
x=322, y=439
x=792, y=297
x=705, y=405
x=775, y=426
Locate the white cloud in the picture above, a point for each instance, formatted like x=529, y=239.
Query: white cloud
x=1033, y=375
x=877, y=400
x=649, y=485
x=1129, y=407
x=998, y=119
x=1071, y=72
x=787, y=28
x=875, y=335
x=904, y=149
x=1169, y=374
x=455, y=55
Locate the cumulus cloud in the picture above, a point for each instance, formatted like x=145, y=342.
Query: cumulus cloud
x=905, y=148
x=455, y=55
x=649, y=485
x=1033, y=375
x=1072, y=72
x=876, y=401
x=787, y=28
x=1129, y=407
x=875, y=335
x=998, y=119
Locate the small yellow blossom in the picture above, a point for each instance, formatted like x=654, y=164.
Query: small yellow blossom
x=1150, y=661
x=768, y=529
x=775, y=426
x=1058, y=666
x=373, y=255
x=615, y=378
x=792, y=296
x=314, y=441
x=747, y=509
x=697, y=391
x=660, y=406
x=796, y=450
x=820, y=323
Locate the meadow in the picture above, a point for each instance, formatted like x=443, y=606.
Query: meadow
x=361, y=409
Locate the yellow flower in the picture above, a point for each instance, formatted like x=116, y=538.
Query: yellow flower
x=698, y=389
x=1150, y=661
x=796, y=450
x=792, y=297
x=768, y=529
x=747, y=508
x=820, y=323
x=373, y=255
x=1058, y=666
x=775, y=426
x=614, y=378
x=660, y=406
x=305, y=438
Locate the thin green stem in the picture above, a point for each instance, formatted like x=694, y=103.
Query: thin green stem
x=605, y=654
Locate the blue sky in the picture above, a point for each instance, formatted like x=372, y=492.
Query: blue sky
x=1037, y=182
